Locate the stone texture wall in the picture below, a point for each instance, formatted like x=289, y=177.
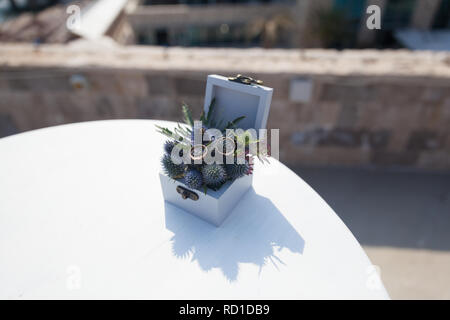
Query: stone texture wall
x=366, y=108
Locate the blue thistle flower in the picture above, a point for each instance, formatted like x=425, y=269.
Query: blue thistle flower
x=193, y=166
x=168, y=146
x=235, y=170
x=193, y=179
x=214, y=175
x=171, y=169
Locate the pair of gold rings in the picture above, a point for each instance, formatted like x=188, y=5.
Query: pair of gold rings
x=199, y=151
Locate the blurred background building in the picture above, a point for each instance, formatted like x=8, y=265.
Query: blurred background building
x=364, y=114
x=237, y=23
x=281, y=23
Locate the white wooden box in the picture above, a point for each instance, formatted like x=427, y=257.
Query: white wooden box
x=232, y=100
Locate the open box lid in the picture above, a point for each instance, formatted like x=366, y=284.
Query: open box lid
x=235, y=99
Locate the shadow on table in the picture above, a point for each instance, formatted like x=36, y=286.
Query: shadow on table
x=253, y=233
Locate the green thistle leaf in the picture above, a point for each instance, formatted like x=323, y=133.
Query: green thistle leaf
x=210, y=112
x=233, y=123
x=187, y=115
x=202, y=118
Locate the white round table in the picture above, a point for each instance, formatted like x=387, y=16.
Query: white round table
x=82, y=216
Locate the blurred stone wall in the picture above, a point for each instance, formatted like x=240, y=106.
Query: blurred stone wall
x=366, y=107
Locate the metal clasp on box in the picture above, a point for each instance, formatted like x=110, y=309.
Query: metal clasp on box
x=186, y=193
x=244, y=80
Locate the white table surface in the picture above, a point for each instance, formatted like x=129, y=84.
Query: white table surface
x=82, y=216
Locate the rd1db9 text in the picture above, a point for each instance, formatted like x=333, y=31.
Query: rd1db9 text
x=227, y=309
